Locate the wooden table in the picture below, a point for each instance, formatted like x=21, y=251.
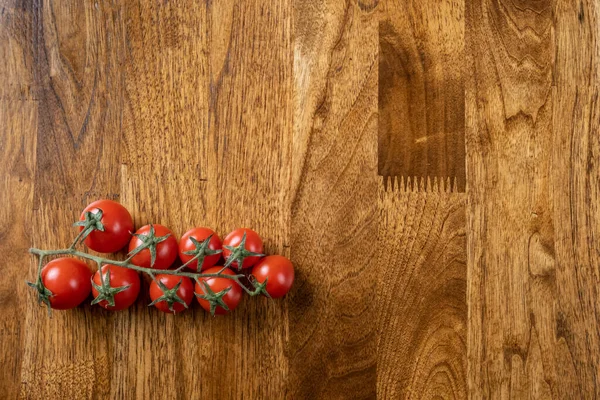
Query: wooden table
x=431, y=167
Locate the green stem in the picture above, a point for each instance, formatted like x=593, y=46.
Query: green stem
x=188, y=263
x=77, y=238
x=100, y=261
x=39, y=271
x=222, y=269
x=235, y=278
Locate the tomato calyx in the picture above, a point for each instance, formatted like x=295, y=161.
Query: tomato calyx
x=105, y=291
x=43, y=293
x=259, y=288
x=169, y=296
x=202, y=250
x=214, y=299
x=149, y=242
x=91, y=222
x=239, y=253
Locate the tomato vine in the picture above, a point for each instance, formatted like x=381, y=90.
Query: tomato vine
x=92, y=221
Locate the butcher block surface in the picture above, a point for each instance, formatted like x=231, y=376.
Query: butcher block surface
x=431, y=168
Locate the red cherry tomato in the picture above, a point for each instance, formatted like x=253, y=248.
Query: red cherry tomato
x=280, y=273
x=186, y=245
x=166, y=250
x=231, y=299
x=163, y=297
x=69, y=280
x=118, y=277
x=117, y=223
x=232, y=247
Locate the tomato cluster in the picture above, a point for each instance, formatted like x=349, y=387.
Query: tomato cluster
x=106, y=227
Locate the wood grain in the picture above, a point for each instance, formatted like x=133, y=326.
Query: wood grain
x=421, y=291
x=334, y=221
x=421, y=89
x=576, y=30
x=533, y=200
x=265, y=114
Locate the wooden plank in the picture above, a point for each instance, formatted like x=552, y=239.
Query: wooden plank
x=206, y=130
x=251, y=128
x=18, y=122
x=421, y=89
x=508, y=149
x=533, y=200
x=422, y=351
x=421, y=296
x=75, y=64
x=164, y=165
x=332, y=325
x=576, y=210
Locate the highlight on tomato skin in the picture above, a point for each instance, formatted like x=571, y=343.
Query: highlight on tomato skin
x=69, y=280
x=278, y=271
x=200, y=235
x=117, y=224
x=166, y=250
x=209, y=292
x=124, y=281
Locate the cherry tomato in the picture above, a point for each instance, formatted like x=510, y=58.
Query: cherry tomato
x=249, y=254
x=214, y=291
x=165, y=249
x=279, y=273
x=117, y=223
x=123, y=287
x=69, y=280
x=210, y=252
x=166, y=298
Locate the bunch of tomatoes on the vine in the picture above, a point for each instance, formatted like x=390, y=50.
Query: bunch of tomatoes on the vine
x=106, y=226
